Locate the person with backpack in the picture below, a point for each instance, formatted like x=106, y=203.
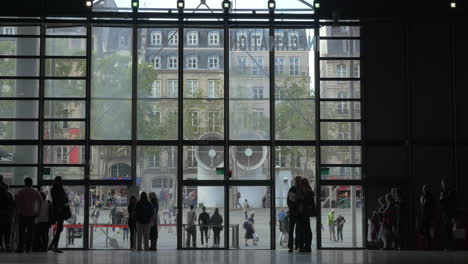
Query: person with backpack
x=144, y=215
x=293, y=214
x=28, y=200
x=42, y=222
x=306, y=209
x=250, y=229
x=339, y=227
x=154, y=222
x=7, y=205
x=204, y=223
x=61, y=208
x=132, y=220
x=216, y=223
x=191, y=228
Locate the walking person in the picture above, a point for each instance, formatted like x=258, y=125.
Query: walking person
x=77, y=204
x=144, y=215
x=28, y=201
x=7, y=205
x=238, y=197
x=204, y=223
x=306, y=209
x=427, y=213
x=216, y=223
x=191, y=228
x=340, y=221
x=293, y=213
x=331, y=224
x=61, y=209
x=250, y=230
x=154, y=222
x=131, y=209
x=448, y=206
x=246, y=208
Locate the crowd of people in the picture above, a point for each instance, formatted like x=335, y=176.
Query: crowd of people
x=205, y=223
x=33, y=215
x=389, y=222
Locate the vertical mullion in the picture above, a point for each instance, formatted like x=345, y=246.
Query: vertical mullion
x=362, y=96
x=41, y=101
x=180, y=147
x=271, y=34
x=226, y=128
x=134, y=115
x=317, y=133
x=87, y=132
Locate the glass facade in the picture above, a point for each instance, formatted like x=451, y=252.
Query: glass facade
x=214, y=117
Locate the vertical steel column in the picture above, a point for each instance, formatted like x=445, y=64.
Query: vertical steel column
x=317, y=133
x=455, y=181
x=180, y=120
x=134, y=114
x=226, y=128
x=41, y=101
x=271, y=44
x=363, y=138
x=87, y=132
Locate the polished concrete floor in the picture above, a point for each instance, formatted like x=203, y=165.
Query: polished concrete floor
x=235, y=256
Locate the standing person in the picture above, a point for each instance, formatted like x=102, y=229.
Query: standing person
x=340, y=221
x=42, y=222
x=400, y=218
x=280, y=218
x=306, y=209
x=144, y=215
x=250, y=229
x=246, y=208
x=448, y=205
x=427, y=213
x=191, y=228
x=61, y=208
x=284, y=228
x=113, y=217
x=28, y=200
x=125, y=223
x=216, y=223
x=131, y=209
x=388, y=221
x=161, y=197
x=154, y=222
x=7, y=205
x=331, y=224
x=77, y=204
x=204, y=223
x=293, y=213
x=238, y=197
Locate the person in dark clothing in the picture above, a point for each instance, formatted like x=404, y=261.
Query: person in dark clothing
x=7, y=205
x=448, y=205
x=154, y=222
x=427, y=213
x=28, y=200
x=113, y=217
x=339, y=222
x=306, y=209
x=216, y=223
x=401, y=216
x=204, y=223
x=144, y=215
x=132, y=220
x=60, y=204
x=293, y=212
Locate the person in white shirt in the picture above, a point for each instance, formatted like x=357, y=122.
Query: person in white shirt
x=191, y=228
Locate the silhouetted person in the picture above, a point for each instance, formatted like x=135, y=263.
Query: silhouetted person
x=448, y=206
x=388, y=222
x=144, y=215
x=61, y=208
x=401, y=219
x=306, y=203
x=204, y=223
x=132, y=220
x=293, y=212
x=191, y=228
x=216, y=222
x=42, y=222
x=27, y=202
x=250, y=230
x=154, y=221
x=7, y=205
x=340, y=221
x=427, y=214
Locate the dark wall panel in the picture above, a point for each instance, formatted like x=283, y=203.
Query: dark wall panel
x=429, y=75
x=461, y=78
x=385, y=91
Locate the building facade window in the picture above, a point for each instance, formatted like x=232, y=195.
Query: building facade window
x=279, y=66
x=280, y=159
x=154, y=160
x=9, y=30
x=213, y=39
x=191, y=158
x=173, y=38
x=214, y=122
x=213, y=62
x=192, y=62
x=257, y=39
x=213, y=89
x=156, y=89
x=192, y=88
x=257, y=93
x=172, y=158
x=257, y=119
x=342, y=107
x=257, y=66
x=195, y=121
x=172, y=87
x=242, y=65
x=155, y=116
x=341, y=71
x=157, y=62
x=172, y=62
x=356, y=71
x=294, y=66
x=156, y=38
x=192, y=38
x=61, y=154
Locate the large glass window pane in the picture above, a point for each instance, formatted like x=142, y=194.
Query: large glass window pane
x=340, y=173
x=19, y=67
x=12, y=46
x=65, y=67
x=249, y=87
x=249, y=162
x=65, y=47
x=108, y=217
x=111, y=83
x=18, y=130
x=16, y=175
x=157, y=82
x=110, y=163
x=64, y=130
x=255, y=202
x=341, y=155
x=339, y=68
x=65, y=29
x=212, y=199
x=200, y=162
x=63, y=154
x=19, y=88
x=67, y=173
x=340, y=110
x=340, y=130
x=64, y=88
x=340, y=31
x=64, y=109
x=203, y=119
x=339, y=48
x=340, y=89
x=19, y=109
x=295, y=119
x=18, y=154
x=342, y=216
